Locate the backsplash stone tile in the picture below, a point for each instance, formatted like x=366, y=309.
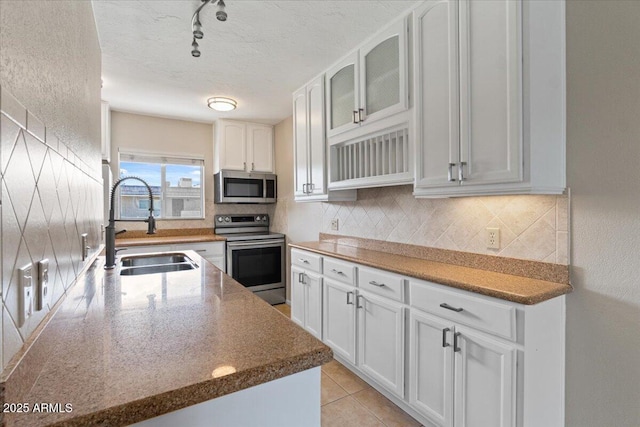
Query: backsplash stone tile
x=532, y=227
x=50, y=196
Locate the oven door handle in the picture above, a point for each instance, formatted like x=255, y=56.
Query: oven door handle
x=255, y=243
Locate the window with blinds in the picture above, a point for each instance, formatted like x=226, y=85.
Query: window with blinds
x=176, y=184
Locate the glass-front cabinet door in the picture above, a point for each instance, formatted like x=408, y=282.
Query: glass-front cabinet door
x=342, y=96
x=383, y=74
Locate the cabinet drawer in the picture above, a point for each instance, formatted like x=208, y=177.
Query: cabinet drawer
x=382, y=283
x=307, y=260
x=478, y=312
x=340, y=270
x=131, y=250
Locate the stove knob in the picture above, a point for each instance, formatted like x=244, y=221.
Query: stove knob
x=227, y=219
x=258, y=218
x=220, y=219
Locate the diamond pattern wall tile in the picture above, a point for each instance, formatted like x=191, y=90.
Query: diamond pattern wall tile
x=19, y=180
x=47, y=188
x=8, y=134
x=57, y=288
x=57, y=165
x=11, y=296
x=11, y=339
x=527, y=223
x=521, y=212
x=36, y=230
x=11, y=235
x=37, y=152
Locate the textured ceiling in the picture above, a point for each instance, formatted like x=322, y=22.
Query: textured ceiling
x=259, y=56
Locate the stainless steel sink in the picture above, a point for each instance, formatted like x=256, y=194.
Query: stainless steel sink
x=134, y=265
x=137, y=261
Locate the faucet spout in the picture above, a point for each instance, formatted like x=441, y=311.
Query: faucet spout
x=110, y=229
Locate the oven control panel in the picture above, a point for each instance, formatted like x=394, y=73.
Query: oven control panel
x=239, y=220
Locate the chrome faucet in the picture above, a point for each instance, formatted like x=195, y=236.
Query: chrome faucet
x=111, y=228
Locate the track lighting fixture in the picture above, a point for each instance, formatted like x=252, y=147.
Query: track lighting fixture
x=196, y=26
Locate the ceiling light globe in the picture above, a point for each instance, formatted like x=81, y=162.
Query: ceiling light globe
x=219, y=103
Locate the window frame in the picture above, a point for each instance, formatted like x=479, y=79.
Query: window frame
x=163, y=159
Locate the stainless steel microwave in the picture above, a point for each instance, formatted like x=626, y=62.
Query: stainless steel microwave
x=244, y=187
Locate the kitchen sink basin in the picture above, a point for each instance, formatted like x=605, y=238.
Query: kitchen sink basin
x=150, y=264
x=137, y=261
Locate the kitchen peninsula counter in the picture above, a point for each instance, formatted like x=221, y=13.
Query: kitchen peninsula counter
x=123, y=349
x=532, y=286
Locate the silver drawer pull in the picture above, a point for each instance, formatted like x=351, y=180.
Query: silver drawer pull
x=201, y=250
x=374, y=283
x=302, y=260
x=448, y=307
x=349, y=300
x=337, y=272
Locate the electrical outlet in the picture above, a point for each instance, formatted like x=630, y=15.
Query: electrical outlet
x=42, y=290
x=334, y=224
x=493, y=238
x=25, y=282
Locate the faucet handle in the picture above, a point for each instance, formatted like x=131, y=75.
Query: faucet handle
x=151, y=229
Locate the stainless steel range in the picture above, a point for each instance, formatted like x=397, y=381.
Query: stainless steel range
x=255, y=256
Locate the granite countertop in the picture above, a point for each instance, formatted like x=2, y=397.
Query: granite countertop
x=122, y=349
x=519, y=289
x=167, y=237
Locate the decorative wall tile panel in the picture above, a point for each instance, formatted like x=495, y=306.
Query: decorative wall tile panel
x=49, y=198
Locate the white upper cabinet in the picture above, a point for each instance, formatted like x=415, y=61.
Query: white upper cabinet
x=244, y=146
x=477, y=85
x=310, y=147
x=343, y=98
x=369, y=84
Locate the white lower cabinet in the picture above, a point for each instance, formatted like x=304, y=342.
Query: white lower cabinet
x=365, y=329
x=381, y=341
x=460, y=377
x=473, y=360
x=339, y=319
x=306, y=300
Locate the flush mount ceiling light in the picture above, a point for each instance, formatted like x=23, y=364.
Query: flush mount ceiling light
x=220, y=103
x=196, y=26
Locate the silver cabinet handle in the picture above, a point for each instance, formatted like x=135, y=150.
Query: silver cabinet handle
x=448, y=307
x=300, y=277
x=361, y=114
x=201, y=250
x=374, y=283
x=304, y=188
x=349, y=300
x=461, y=172
x=302, y=260
x=312, y=187
x=337, y=272
x=252, y=166
x=455, y=342
x=450, y=174
x=355, y=117
x=358, y=301
x=444, y=337
x=244, y=166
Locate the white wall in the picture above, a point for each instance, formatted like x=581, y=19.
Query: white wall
x=603, y=130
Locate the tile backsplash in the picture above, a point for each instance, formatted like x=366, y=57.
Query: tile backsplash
x=50, y=196
x=532, y=227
